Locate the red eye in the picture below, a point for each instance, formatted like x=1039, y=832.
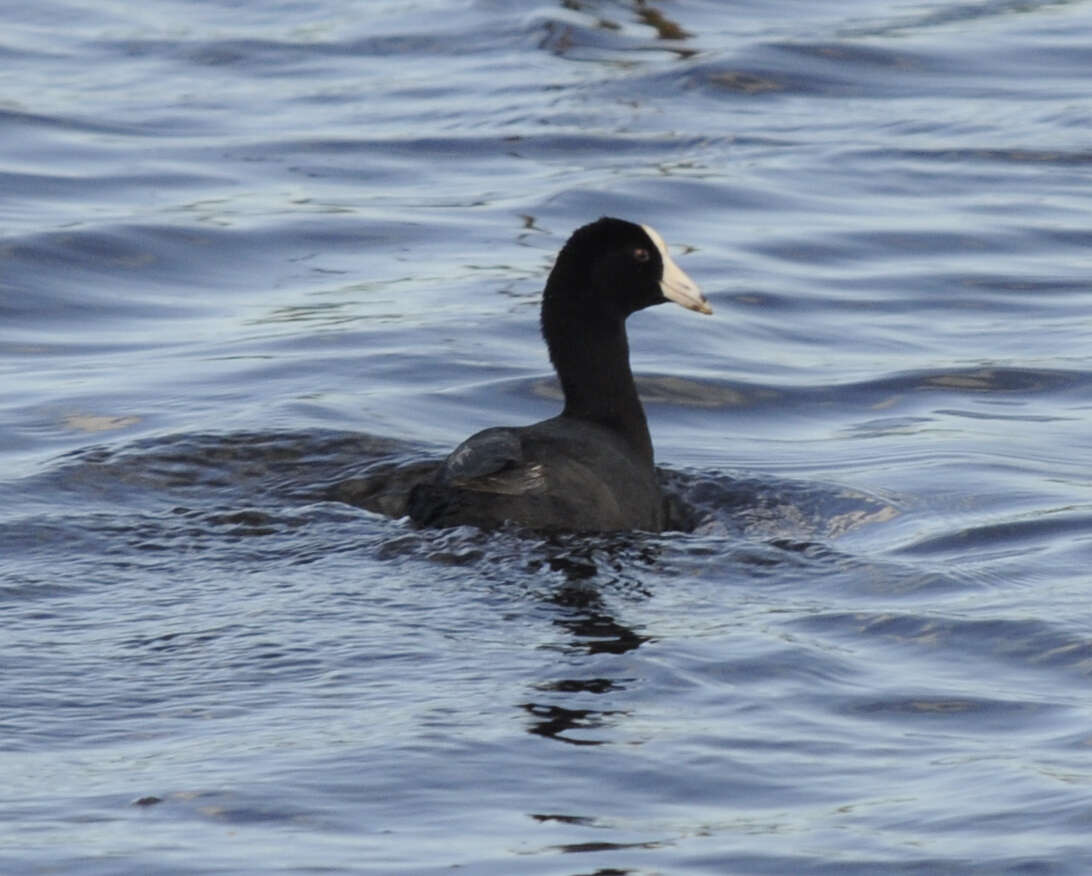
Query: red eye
x=641, y=255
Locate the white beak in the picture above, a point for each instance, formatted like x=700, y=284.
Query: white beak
x=675, y=284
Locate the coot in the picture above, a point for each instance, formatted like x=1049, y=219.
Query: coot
x=590, y=468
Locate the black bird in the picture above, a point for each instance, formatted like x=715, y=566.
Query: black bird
x=590, y=468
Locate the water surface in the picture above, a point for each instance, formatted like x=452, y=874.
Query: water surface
x=258, y=259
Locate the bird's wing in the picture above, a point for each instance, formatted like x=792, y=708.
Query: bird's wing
x=493, y=461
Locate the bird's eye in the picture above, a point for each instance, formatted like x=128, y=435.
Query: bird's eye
x=641, y=255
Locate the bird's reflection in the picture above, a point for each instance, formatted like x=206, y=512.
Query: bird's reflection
x=590, y=629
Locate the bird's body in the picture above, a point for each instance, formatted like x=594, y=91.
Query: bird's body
x=591, y=467
x=540, y=477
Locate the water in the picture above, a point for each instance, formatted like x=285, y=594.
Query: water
x=262, y=264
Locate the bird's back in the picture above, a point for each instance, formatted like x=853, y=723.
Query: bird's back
x=560, y=474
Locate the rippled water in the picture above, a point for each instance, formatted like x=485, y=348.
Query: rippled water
x=262, y=265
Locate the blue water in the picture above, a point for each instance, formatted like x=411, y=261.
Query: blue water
x=261, y=263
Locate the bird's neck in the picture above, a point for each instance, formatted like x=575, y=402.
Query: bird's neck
x=592, y=362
